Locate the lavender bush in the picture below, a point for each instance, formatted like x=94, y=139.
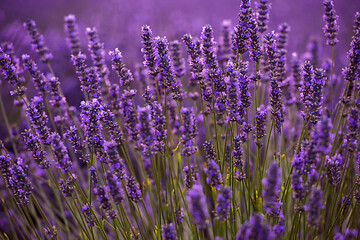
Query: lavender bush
x=203, y=137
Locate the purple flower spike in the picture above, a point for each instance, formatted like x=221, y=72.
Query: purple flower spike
x=262, y=14
x=60, y=153
x=38, y=77
x=16, y=178
x=197, y=206
x=213, y=173
x=168, y=232
x=37, y=41
x=33, y=144
x=10, y=72
x=255, y=228
x=333, y=165
x=211, y=66
x=241, y=31
x=38, y=119
x=133, y=189
x=124, y=74
x=271, y=191
x=149, y=51
x=188, y=131
x=331, y=27
x=72, y=30
x=223, y=203
x=167, y=70
x=314, y=206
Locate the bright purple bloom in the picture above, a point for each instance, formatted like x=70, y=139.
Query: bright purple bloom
x=177, y=60
x=255, y=228
x=255, y=48
x=331, y=27
x=168, y=232
x=233, y=92
x=271, y=190
x=133, y=189
x=149, y=51
x=67, y=186
x=111, y=125
x=260, y=123
x=104, y=201
x=129, y=114
x=159, y=125
x=213, y=174
x=262, y=14
x=16, y=178
x=114, y=187
x=116, y=162
x=72, y=30
x=78, y=61
x=188, y=131
x=60, y=153
x=124, y=74
x=98, y=55
x=350, y=142
x=314, y=206
x=166, y=69
x=57, y=100
x=211, y=65
x=146, y=132
x=224, y=49
x=10, y=72
x=87, y=212
x=33, y=144
x=223, y=203
x=197, y=206
x=38, y=77
x=38, y=118
x=241, y=31
x=237, y=152
x=333, y=165
x=190, y=177
x=37, y=41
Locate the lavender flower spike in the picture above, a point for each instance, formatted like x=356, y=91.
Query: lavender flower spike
x=314, y=206
x=272, y=190
x=333, y=169
x=38, y=118
x=149, y=51
x=38, y=78
x=241, y=31
x=260, y=124
x=16, y=178
x=223, y=203
x=211, y=66
x=255, y=228
x=197, y=206
x=262, y=14
x=167, y=70
x=188, y=131
x=72, y=31
x=168, y=232
x=118, y=65
x=37, y=41
x=331, y=27
x=10, y=72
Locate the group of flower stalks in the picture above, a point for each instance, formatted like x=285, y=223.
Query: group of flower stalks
x=230, y=140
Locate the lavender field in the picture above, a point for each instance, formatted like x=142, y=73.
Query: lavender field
x=180, y=120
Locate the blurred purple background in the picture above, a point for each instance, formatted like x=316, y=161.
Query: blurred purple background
x=119, y=23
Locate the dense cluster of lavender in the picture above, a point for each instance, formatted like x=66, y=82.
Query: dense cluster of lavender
x=210, y=138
